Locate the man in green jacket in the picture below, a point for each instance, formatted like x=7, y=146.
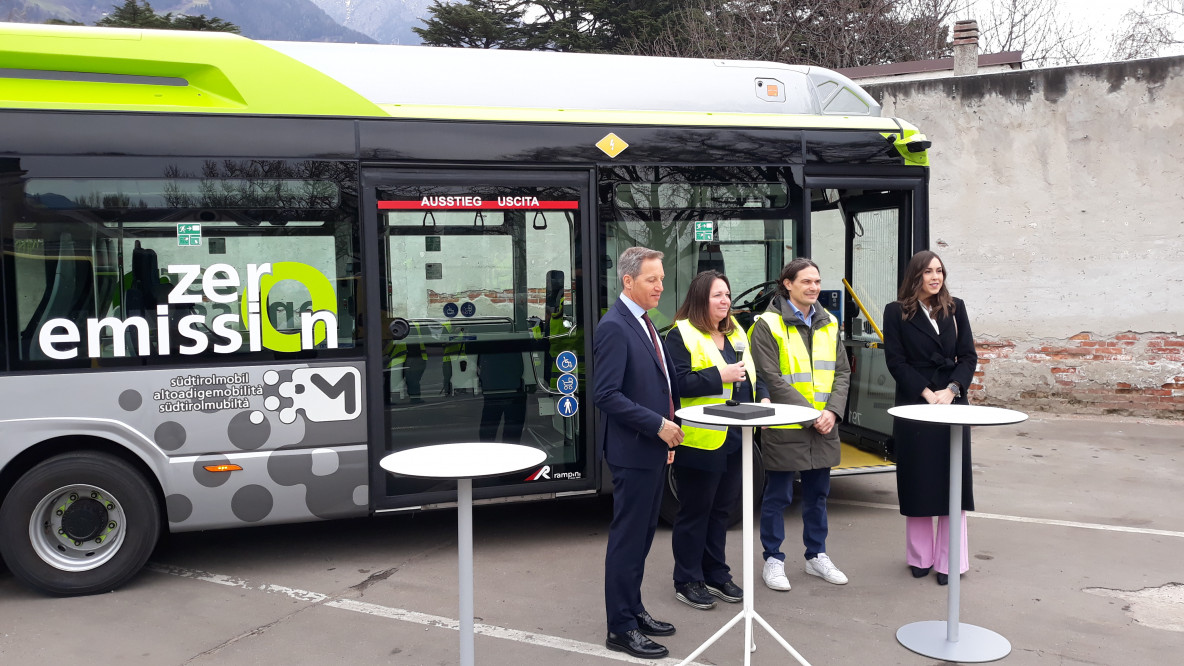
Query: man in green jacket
x=799, y=356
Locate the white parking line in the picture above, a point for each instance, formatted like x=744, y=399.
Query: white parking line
x=1024, y=519
x=404, y=615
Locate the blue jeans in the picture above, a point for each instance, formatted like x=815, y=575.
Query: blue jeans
x=778, y=496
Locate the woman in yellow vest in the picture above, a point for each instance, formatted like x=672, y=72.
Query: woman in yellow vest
x=711, y=365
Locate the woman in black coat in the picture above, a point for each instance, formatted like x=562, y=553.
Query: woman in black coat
x=929, y=349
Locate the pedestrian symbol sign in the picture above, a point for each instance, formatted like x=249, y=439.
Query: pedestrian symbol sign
x=704, y=231
x=568, y=406
x=566, y=361
x=188, y=234
x=567, y=383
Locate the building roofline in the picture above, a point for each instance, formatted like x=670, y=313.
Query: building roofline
x=1014, y=59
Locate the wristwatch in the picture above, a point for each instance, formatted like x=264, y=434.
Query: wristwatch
x=955, y=389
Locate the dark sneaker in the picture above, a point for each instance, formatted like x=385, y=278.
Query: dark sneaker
x=728, y=591
x=694, y=595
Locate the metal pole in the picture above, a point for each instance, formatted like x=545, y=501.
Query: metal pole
x=954, y=518
x=746, y=517
x=464, y=512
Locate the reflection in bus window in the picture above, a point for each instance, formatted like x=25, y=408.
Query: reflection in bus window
x=740, y=221
x=116, y=271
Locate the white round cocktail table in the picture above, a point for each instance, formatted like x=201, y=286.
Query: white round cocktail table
x=783, y=415
x=951, y=640
x=463, y=462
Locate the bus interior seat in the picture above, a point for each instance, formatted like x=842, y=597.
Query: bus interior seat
x=711, y=258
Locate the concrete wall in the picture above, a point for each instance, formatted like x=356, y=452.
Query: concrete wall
x=1058, y=208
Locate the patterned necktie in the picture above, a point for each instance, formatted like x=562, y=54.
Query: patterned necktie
x=661, y=361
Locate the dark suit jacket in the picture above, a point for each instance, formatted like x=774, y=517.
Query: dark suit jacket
x=630, y=390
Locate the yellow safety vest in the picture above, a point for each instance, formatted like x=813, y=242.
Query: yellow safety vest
x=396, y=350
x=704, y=354
x=453, y=345
x=813, y=378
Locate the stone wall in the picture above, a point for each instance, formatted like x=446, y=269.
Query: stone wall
x=1057, y=199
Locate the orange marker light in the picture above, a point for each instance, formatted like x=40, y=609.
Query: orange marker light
x=223, y=468
x=771, y=90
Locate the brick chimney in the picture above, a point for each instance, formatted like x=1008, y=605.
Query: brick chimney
x=965, y=47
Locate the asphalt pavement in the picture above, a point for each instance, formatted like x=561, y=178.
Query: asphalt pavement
x=1076, y=552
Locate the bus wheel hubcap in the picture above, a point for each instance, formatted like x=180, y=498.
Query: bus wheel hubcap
x=77, y=527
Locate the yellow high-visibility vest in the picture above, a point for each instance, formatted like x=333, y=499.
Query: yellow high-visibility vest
x=704, y=354
x=813, y=378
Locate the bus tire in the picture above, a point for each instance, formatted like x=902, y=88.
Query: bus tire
x=669, y=509
x=79, y=523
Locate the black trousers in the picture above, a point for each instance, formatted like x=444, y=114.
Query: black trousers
x=706, y=500
x=511, y=406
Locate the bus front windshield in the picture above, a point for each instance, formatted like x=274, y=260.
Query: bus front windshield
x=741, y=221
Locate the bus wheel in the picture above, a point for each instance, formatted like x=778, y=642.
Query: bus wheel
x=79, y=523
x=670, y=503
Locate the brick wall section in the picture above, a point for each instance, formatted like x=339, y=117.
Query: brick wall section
x=1129, y=374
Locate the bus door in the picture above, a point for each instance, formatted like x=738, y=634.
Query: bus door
x=482, y=319
x=869, y=232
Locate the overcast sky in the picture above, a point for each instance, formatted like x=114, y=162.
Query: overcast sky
x=1101, y=16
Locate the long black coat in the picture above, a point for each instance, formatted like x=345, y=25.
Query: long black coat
x=918, y=358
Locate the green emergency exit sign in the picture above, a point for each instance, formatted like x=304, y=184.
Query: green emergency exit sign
x=704, y=231
x=189, y=234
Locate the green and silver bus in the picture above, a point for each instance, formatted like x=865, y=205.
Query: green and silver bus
x=237, y=274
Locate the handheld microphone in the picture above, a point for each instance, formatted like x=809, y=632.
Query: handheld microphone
x=740, y=346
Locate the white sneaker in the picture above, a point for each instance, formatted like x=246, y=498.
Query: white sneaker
x=822, y=566
x=774, y=574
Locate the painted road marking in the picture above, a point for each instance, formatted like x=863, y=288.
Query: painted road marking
x=403, y=615
x=1024, y=519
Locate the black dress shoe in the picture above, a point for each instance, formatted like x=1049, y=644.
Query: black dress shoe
x=943, y=579
x=728, y=591
x=919, y=572
x=694, y=595
x=635, y=643
x=651, y=627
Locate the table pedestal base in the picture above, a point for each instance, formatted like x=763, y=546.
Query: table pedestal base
x=749, y=613
x=974, y=645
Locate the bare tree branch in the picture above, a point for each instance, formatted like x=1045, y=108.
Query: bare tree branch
x=1147, y=31
x=830, y=33
x=1036, y=27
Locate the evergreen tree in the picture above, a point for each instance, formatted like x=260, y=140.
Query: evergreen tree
x=590, y=26
x=483, y=24
x=134, y=14
x=139, y=14
x=202, y=24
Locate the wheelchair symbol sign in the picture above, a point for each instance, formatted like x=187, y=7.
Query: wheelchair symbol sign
x=568, y=406
x=567, y=384
x=566, y=361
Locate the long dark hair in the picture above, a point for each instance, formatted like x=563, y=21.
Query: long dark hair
x=695, y=306
x=940, y=304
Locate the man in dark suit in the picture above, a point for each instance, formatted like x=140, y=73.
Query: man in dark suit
x=635, y=393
